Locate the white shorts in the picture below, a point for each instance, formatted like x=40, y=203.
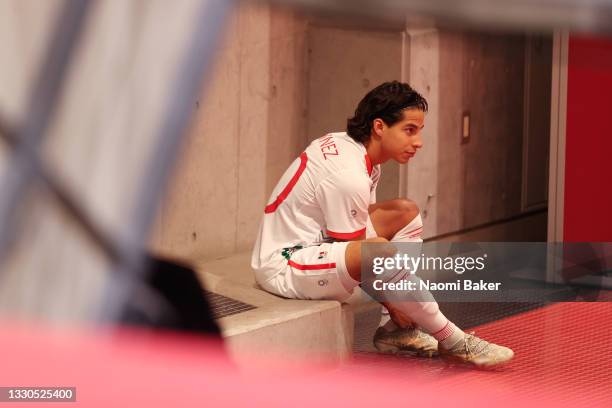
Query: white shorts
x=316, y=272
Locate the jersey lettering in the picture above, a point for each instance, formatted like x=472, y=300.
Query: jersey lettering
x=328, y=147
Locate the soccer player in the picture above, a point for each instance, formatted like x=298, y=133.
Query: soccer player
x=324, y=208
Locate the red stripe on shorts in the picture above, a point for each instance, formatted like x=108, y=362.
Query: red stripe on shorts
x=311, y=267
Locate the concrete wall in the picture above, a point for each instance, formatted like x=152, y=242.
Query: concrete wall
x=248, y=127
x=478, y=181
x=282, y=81
x=492, y=160
x=344, y=64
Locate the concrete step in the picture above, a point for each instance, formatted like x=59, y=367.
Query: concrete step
x=293, y=330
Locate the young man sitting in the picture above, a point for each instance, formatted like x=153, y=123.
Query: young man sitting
x=324, y=209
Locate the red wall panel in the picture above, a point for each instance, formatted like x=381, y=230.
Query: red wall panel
x=588, y=157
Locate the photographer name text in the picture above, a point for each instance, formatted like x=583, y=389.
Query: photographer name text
x=409, y=285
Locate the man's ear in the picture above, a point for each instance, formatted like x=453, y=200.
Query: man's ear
x=377, y=126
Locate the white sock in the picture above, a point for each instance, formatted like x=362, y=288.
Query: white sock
x=423, y=310
x=424, y=313
x=410, y=233
x=384, y=316
x=449, y=335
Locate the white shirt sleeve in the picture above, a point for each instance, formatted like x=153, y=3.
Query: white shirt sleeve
x=344, y=198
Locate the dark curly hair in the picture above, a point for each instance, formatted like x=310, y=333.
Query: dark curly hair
x=386, y=102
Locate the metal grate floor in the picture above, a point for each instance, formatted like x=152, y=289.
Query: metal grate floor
x=465, y=315
x=223, y=306
x=561, y=350
x=471, y=314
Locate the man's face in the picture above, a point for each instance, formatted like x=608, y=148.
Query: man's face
x=401, y=141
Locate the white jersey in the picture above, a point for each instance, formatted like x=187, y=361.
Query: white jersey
x=324, y=195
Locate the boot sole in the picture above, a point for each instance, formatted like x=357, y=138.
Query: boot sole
x=452, y=360
x=387, y=348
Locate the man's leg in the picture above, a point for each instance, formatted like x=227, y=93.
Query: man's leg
x=399, y=220
x=406, y=311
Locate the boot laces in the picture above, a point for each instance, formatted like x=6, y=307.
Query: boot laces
x=475, y=345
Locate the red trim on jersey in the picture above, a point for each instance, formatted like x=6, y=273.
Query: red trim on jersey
x=283, y=195
x=311, y=267
x=345, y=235
x=416, y=234
x=415, y=231
x=368, y=164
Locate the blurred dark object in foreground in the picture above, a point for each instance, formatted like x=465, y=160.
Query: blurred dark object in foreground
x=178, y=301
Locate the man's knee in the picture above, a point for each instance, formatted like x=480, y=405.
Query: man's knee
x=408, y=208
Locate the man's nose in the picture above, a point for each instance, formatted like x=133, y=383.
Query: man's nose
x=418, y=141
